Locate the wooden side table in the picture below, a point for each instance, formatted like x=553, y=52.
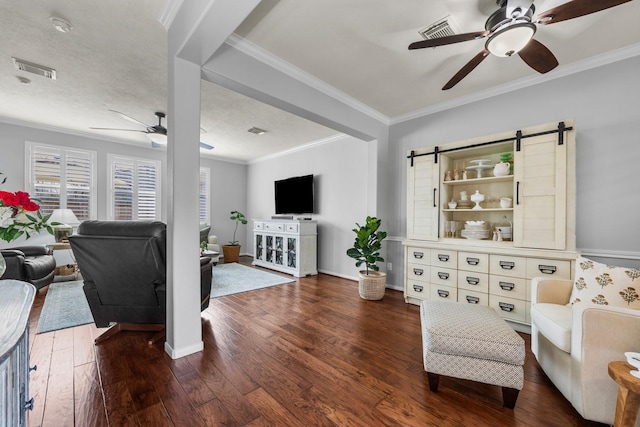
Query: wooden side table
x=62, y=273
x=628, y=401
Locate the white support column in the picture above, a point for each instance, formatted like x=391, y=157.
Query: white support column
x=184, y=329
x=196, y=30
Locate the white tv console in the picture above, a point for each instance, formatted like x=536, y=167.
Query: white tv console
x=289, y=246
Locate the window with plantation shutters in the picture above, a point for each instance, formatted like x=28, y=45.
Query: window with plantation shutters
x=62, y=178
x=203, y=195
x=134, y=189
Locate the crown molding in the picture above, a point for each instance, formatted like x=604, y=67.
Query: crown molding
x=294, y=72
x=561, y=71
x=169, y=12
x=301, y=148
x=81, y=134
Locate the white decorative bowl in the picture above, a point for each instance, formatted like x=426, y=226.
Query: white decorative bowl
x=633, y=359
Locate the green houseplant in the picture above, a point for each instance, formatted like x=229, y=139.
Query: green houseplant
x=231, y=252
x=366, y=250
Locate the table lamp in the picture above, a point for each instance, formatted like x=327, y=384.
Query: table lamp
x=67, y=220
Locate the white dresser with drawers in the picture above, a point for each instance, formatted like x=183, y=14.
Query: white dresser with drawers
x=496, y=277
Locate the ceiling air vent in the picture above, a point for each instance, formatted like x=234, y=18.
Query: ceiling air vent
x=29, y=67
x=442, y=28
x=257, y=131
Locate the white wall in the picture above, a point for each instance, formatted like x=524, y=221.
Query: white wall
x=340, y=168
x=228, y=180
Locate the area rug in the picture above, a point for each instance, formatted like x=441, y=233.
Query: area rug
x=65, y=306
x=235, y=278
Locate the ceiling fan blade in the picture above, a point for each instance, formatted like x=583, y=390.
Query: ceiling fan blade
x=538, y=57
x=575, y=9
x=206, y=146
x=131, y=119
x=469, y=66
x=441, y=41
x=126, y=130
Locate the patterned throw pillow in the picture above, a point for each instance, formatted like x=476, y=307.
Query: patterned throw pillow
x=602, y=284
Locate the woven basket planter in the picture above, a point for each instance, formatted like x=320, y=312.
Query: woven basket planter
x=230, y=253
x=372, y=286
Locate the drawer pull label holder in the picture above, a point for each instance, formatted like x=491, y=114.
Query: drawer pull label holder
x=547, y=269
x=506, y=286
x=418, y=288
x=443, y=294
x=507, y=265
x=418, y=255
x=443, y=276
x=472, y=300
x=473, y=261
x=443, y=257
x=418, y=271
x=506, y=307
x=473, y=280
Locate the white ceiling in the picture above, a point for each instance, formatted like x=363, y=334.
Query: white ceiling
x=115, y=58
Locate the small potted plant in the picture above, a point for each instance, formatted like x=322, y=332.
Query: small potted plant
x=231, y=252
x=366, y=250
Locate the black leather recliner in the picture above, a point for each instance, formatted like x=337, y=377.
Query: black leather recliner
x=33, y=264
x=123, y=265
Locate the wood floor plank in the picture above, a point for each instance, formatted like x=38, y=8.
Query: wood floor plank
x=120, y=408
x=271, y=411
x=215, y=414
x=307, y=353
x=88, y=397
x=58, y=408
x=83, y=345
x=40, y=358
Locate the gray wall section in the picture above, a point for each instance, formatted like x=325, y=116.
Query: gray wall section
x=340, y=168
x=228, y=180
x=604, y=102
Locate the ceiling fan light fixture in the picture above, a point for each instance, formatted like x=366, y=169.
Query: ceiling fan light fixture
x=511, y=39
x=158, y=138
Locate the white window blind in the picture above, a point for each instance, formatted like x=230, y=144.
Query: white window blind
x=203, y=195
x=134, y=189
x=60, y=177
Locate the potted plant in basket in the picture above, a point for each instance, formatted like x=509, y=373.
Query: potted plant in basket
x=366, y=250
x=231, y=252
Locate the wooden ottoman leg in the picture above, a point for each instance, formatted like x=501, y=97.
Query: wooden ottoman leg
x=434, y=379
x=509, y=397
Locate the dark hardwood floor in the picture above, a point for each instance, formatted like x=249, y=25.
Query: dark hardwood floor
x=307, y=353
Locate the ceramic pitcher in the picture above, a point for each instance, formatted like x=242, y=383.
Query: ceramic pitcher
x=501, y=169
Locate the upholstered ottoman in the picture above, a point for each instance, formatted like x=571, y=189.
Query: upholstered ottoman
x=471, y=342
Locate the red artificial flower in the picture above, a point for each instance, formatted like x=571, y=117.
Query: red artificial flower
x=9, y=199
x=30, y=206
x=23, y=196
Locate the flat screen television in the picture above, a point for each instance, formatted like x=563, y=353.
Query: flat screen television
x=294, y=195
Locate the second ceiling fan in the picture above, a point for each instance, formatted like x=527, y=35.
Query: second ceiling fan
x=510, y=31
x=156, y=133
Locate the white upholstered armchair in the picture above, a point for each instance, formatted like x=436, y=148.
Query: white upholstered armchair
x=575, y=343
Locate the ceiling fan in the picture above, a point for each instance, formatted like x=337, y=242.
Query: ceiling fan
x=510, y=30
x=156, y=133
